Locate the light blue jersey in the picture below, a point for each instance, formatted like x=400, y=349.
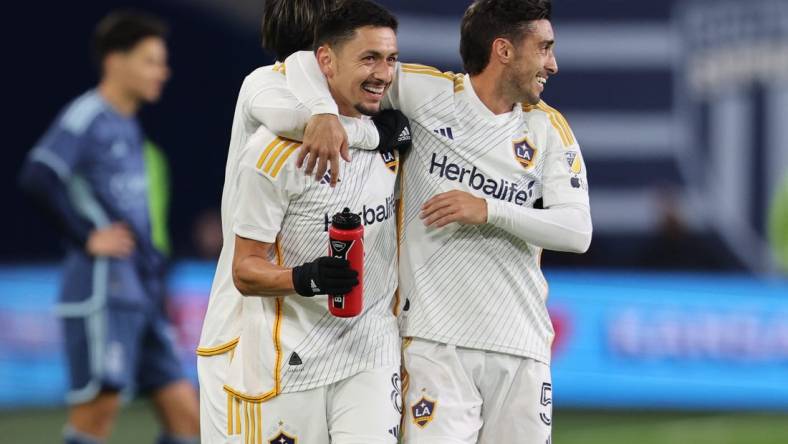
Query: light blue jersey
x=99, y=155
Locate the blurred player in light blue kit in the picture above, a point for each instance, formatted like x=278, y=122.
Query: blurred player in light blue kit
x=105, y=187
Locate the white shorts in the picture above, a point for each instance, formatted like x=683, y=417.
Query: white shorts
x=456, y=395
x=365, y=408
x=211, y=373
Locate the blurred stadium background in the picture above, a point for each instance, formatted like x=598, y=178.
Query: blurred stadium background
x=672, y=329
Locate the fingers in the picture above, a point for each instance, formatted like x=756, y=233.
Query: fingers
x=334, y=171
x=322, y=166
x=333, y=262
x=345, y=151
x=445, y=220
x=437, y=203
x=441, y=214
x=302, y=153
x=310, y=164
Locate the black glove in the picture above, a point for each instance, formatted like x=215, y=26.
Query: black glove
x=325, y=275
x=394, y=131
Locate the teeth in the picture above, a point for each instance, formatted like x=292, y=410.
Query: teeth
x=374, y=89
x=541, y=80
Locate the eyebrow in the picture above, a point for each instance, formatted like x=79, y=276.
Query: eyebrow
x=372, y=52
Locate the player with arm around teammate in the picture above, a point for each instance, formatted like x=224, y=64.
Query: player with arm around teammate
x=495, y=176
x=287, y=26
x=299, y=373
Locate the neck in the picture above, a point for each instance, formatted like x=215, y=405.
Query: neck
x=344, y=108
x=488, y=87
x=122, y=102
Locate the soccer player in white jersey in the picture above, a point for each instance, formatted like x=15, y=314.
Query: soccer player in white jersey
x=288, y=26
x=297, y=373
x=495, y=176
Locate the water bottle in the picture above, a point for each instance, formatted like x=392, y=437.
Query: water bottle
x=346, y=241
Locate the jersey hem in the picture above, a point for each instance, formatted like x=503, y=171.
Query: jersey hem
x=485, y=347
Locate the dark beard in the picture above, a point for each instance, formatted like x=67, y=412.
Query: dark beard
x=366, y=111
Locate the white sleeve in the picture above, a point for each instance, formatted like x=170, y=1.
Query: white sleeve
x=564, y=176
x=307, y=82
x=565, y=222
x=279, y=110
x=262, y=198
x=565, y=227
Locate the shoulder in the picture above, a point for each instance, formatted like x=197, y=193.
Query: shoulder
x=82, y=113
x=433, y=76
x=262, y=79
x=269, y=155
x=543, y=115
x=266, y=73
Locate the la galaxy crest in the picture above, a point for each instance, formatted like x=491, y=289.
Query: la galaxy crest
x=524, y=152
x=423, y=411
x=391, y=160
x=283, y=438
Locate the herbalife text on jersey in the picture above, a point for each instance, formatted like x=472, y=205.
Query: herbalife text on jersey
x=502, y=189
x=369, y=215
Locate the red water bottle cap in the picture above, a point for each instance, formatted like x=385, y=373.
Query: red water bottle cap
x=346, y=220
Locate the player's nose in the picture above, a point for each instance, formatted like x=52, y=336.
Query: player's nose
x=552, y=64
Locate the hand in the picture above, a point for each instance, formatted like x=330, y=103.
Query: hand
x=114, y=240
x=394, y=131
x=454, y=206
x=325, y=275
x=324, y=141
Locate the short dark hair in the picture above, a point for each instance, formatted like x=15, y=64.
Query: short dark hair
x=342, y=21
x=290, y=25
x=486, y=20
x=121, y=31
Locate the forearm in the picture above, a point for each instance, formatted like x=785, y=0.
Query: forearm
x=559, y=228
x=306, y=81
x=49, y=192
x=290, y=122
x=256, y=276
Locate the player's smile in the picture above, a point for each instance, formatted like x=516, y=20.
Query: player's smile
x=541, y=81
x=374, y=90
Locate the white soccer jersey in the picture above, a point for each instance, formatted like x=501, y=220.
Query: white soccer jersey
x=479, y=286
x=263, y=93
x=292, y=343
x=475, y=286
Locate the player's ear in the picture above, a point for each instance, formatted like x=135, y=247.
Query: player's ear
x=502, y=50
x=111, y=62
x=325, y=59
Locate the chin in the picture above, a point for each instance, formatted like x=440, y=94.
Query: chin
x=532, y=99
x=368, y=109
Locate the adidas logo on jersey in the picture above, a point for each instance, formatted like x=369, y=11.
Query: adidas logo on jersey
x=295, y=359
x=404, y=136
x=327, y=178
x=445, y=132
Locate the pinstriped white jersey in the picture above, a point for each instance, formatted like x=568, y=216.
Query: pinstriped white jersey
x=292, y=343
x=222, y=325
x=478, y=286
x=263, y=90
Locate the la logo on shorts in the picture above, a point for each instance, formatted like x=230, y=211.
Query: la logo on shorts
x=283, y=438
x=423, y=411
